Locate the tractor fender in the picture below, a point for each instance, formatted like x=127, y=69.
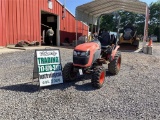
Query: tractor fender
x=114, y=52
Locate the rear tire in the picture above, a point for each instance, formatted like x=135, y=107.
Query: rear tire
x=68, y=72
x=115, y=64
x=136, y=44
x=98, y=77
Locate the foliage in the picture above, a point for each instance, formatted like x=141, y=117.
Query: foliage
x=108, y=22
x=138, y=20
x=154, y=25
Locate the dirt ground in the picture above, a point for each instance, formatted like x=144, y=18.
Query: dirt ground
x=133, y=94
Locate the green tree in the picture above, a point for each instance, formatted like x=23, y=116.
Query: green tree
x=138, y=20
x=154, y=25
x=108, y=22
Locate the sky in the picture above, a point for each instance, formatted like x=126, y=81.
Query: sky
x=72, y=4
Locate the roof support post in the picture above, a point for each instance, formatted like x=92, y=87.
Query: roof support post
x=118, y=27
x=98, y=21
x=146, y=26
x=92, y=27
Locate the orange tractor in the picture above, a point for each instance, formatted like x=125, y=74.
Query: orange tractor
x=89, y=58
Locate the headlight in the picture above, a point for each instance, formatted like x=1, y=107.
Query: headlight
x=85, y=53
x=80, y=53
x=74, y=53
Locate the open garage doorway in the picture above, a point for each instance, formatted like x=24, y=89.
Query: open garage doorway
x=49, y=20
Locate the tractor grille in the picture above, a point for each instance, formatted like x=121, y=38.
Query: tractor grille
x=80, y=60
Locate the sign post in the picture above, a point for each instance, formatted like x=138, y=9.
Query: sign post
x=47, y=67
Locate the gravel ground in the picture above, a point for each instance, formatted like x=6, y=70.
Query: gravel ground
x=133, y=94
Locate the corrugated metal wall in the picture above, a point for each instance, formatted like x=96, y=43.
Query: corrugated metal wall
x=20, y=20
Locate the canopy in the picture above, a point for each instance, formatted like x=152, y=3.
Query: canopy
x=89, y=12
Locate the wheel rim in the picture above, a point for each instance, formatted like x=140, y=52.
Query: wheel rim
x=102, y=76
x=119, y=63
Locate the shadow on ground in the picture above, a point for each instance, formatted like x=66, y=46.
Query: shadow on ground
x=85, y=86
x=31, y=87
x=25, y=87
x=127, y=48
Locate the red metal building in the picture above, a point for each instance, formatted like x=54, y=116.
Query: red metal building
x=26, y=20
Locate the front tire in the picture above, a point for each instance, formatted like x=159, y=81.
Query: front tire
x=68, y=72
x=115, y=64
x=98, y=77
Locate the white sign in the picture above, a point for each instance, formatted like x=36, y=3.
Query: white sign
x=50, y=5
x=49, y=67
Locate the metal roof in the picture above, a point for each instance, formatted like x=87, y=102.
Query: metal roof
x=89, y=12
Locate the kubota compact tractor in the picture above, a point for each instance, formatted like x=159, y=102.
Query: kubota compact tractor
x=89, y=58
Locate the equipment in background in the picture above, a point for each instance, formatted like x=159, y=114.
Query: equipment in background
x=129, y=35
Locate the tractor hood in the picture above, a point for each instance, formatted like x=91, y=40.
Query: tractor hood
x=86, y=54
x=88, y=46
